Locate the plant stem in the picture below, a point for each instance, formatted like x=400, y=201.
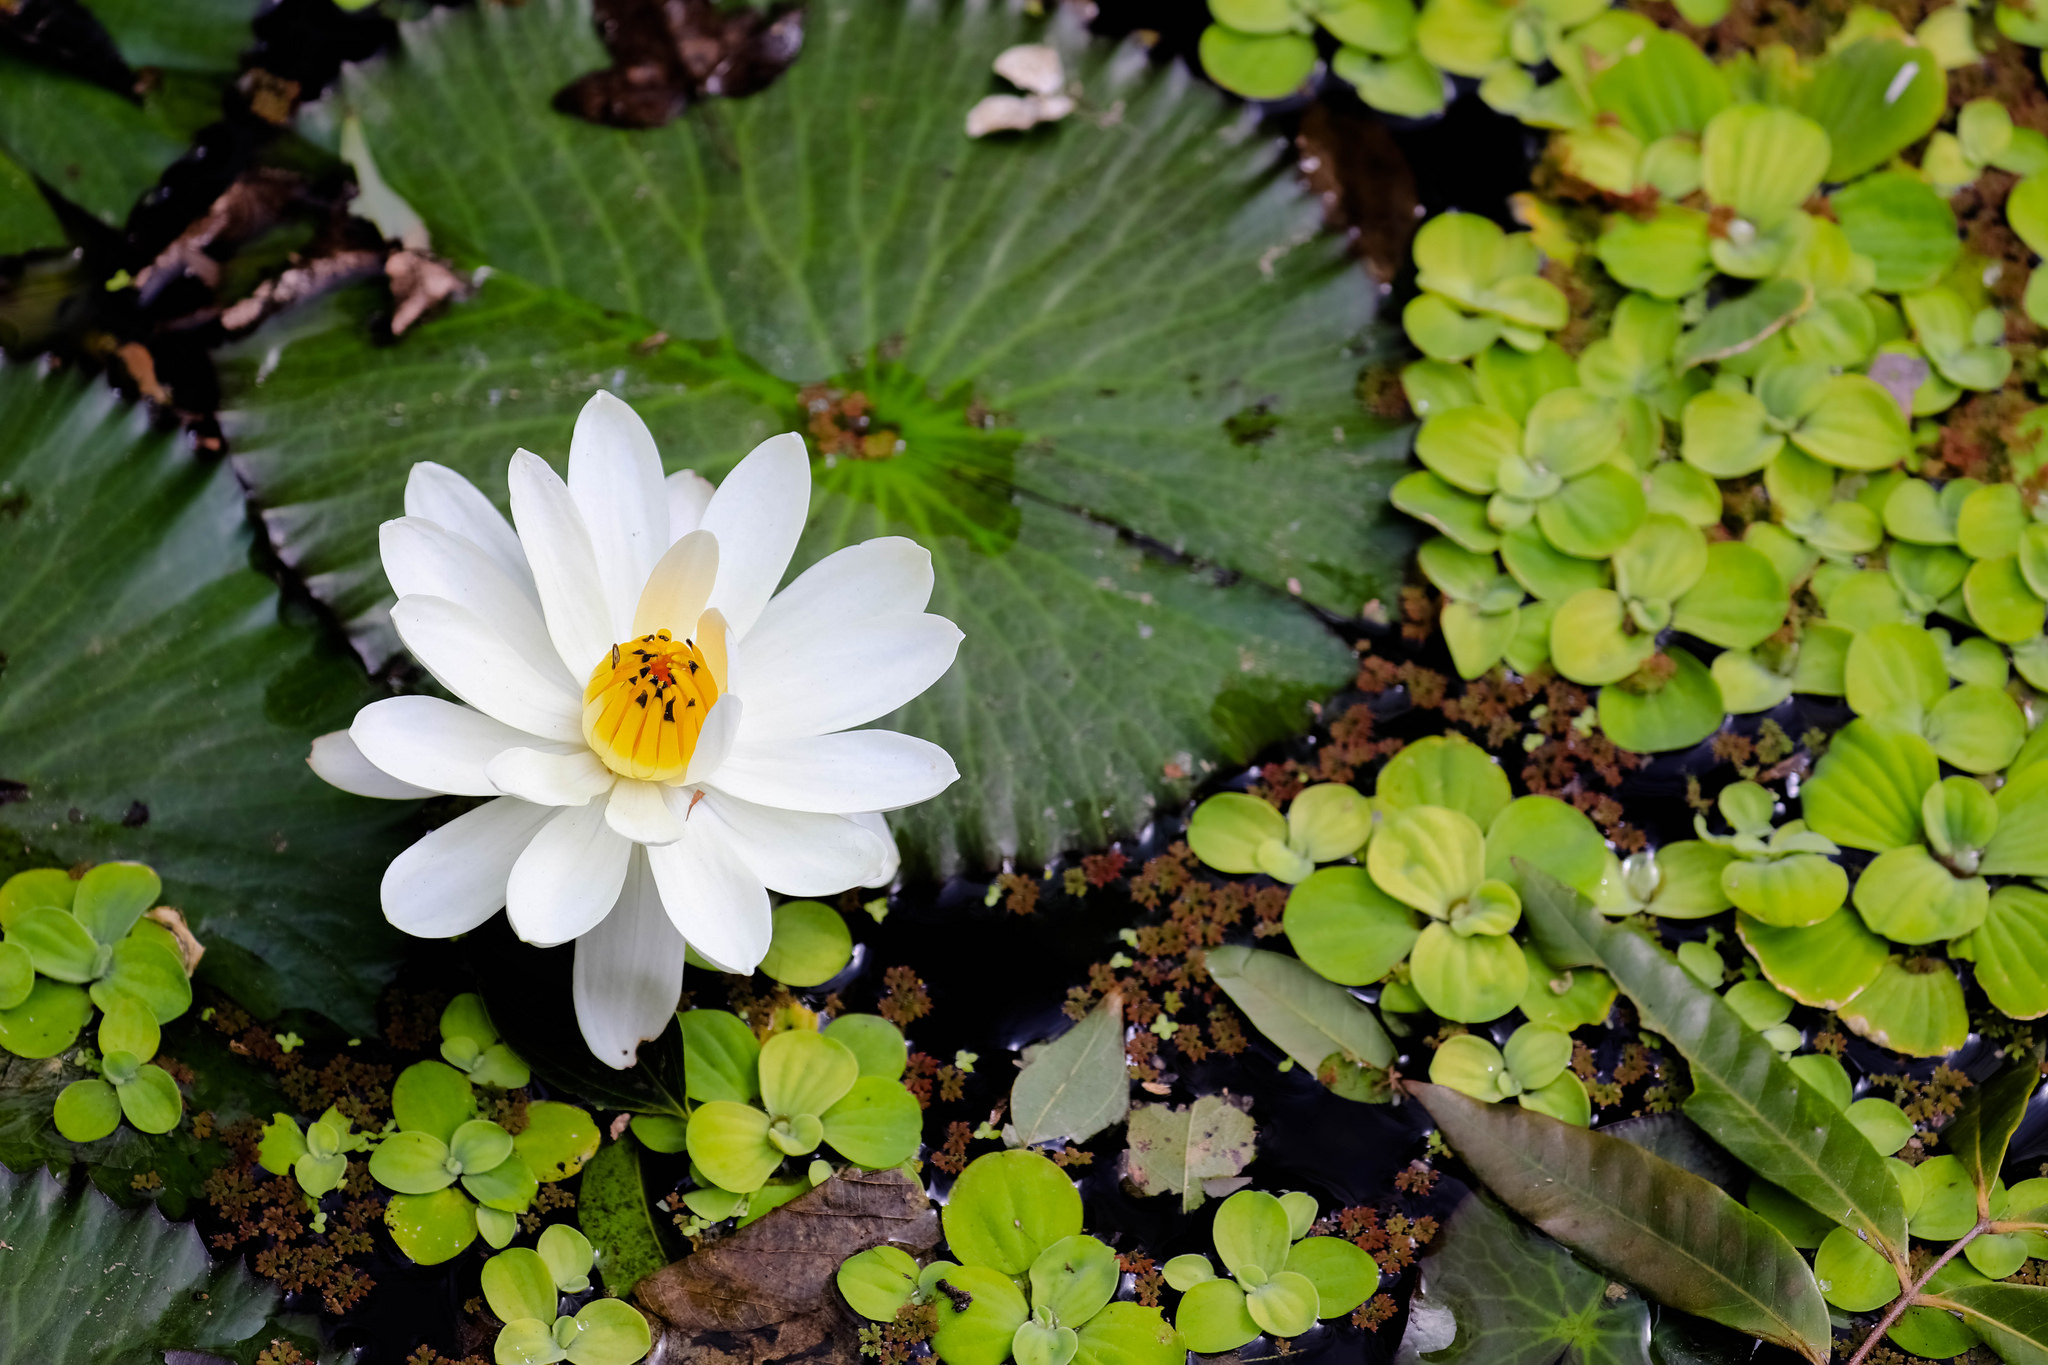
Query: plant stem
x=1912, y=1292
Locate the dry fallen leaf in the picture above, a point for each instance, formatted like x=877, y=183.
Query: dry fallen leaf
x=1015, y=113
x=190, y=949
x=766, y=1293
x=245, y=209
x=1032, y=67
x=668, y=54
x=418, y=282
x=300, y=283
x=1181, y=1149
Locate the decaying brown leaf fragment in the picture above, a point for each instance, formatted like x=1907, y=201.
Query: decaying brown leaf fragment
x=190, y=949
x=766, y=1294
x=667, y=54
x=247, y=208
x=418, y=282
x=300, y=283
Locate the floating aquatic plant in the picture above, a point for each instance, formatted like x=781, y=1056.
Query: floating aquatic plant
x=1277, y=1279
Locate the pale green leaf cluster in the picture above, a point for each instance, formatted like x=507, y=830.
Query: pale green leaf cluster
x=524, y=1286
x=1276, y=1278
x=1025, y=1284
x=71, y=944
x=1427, y=904
x=756, y=1103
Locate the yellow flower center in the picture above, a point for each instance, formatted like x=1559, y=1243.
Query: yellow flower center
x=645, y=704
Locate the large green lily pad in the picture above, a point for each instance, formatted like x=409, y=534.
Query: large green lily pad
x=158, y=704
x=1116, y=335
x=87, y=1281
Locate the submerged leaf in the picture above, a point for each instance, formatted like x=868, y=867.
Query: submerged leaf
x=1077, y=1085
x=1305, y=1016
x=1666, y=1231
x=1512, y=1296
x=1176, y=1149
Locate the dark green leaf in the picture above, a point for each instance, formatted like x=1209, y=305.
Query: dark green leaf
x=1145, y=302
x=1679, y=1141
x=98, y=150
x=26, y=221
x=612, y=1209
x=191, y=35
x=1515, y=1297
x=1990, y=1114
x=81, y=1280
x=2012, y=1318
x=1666, y=1231
x=1744, y=1096
x=148, y=663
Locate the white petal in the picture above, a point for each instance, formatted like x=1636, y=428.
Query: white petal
x=564, y=565
x=445, y=498
x=714, y=900
x=475, y=663
x=714, y=638
x=854, y=770
x=434, y=743
x=638, y=812
x=569, y=778
x=688, y=494
x=846, y=674
x=799, y=853
x=615, y=477
x=629, y=972
x=873, y=578
x=424, y=559
x=568, y=878
x=715, y=740
x=454, y=879
x=677, y=588
x=757, y=515
x=337, y=761
x=878, y=824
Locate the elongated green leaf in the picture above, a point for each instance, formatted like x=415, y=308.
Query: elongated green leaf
x=1990, y=1115
x=1078, y=1085
x=1303, y=1015
x=612, y=1209
x=81, y=1280
x=159, y=706
x=1641, y=1219
x=1515, y=1297
x=1122, y=324
x=2012, y=1318
x=1749, y=1100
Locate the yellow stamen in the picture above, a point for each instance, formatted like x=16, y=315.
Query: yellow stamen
x=645, y=704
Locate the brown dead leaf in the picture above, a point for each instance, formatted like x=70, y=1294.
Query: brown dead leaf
x=190, y=949
x=418, y=282
x=246, y=208
x=141, y=367
x=271, y=98
x=299, y=283
x=668, y=54
x=766, y=1293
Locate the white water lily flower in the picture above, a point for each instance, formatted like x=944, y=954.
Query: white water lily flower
x=667, y=738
